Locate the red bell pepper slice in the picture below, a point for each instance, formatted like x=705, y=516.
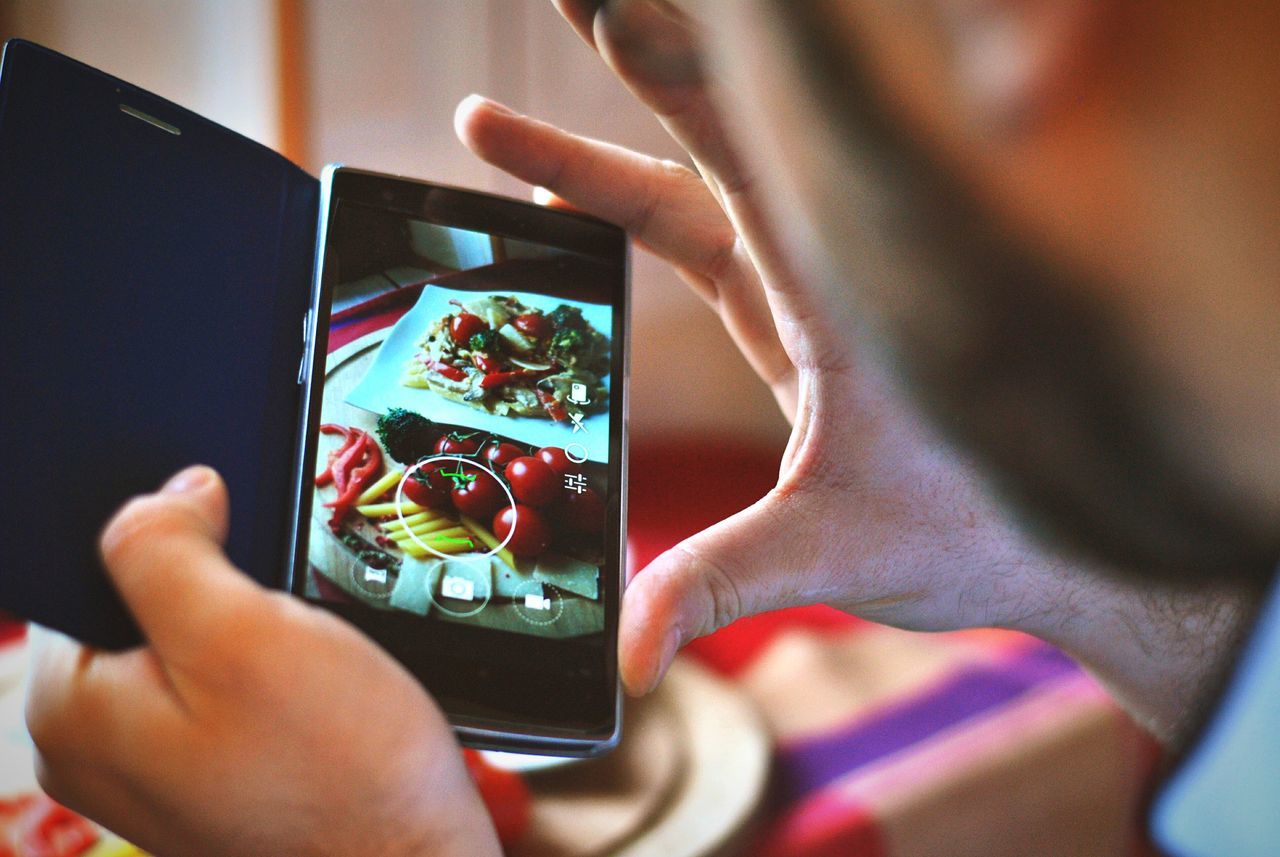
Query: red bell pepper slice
x=555, y=409
x=497, y=379
x=485, y=363
x=353, y=472
x=347, y=440
x=453, y=373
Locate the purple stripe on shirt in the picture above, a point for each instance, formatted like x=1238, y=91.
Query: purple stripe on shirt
x=809, y=764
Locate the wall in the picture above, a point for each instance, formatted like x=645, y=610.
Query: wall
x=385, y=76
x=216, y=57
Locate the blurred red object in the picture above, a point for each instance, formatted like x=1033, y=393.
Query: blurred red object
x=34, y=825
x=505, y=795
x=679, y=488
x=11, y=629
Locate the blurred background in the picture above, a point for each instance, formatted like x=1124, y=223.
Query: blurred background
x=374, y=84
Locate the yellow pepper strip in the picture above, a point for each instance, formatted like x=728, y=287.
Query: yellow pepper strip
x=381, y=510
x=491, y=541
x=450, y=541
x=399, y=532
x=451, y=530
x=414, y=551
x=374, y=491
x=412, y=520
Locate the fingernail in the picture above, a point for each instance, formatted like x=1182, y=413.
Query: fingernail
x=191, y=479
x=491, y=104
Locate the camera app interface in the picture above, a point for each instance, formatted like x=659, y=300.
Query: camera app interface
x=461, y=472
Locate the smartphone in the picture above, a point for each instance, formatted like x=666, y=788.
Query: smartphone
x=460, y=482
x=180, y=293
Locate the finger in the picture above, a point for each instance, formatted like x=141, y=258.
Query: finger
x=749, y=563
x=655, y=50
x=664, y=206
x=744, y=316
x=660, y=203
x=581, y=16
x=55, y=664
x=163, y=553
x=542, y=196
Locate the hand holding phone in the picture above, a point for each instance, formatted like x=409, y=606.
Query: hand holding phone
x=162, y=267
x=230, y=719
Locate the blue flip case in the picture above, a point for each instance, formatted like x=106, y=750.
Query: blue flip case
x=153, y=287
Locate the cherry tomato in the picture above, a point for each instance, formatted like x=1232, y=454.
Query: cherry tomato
x=457, y=444
x=479, y=497
x=582, y=513
x=465, y=325
x=533, y=481
x=428, y=487
x=505, y=795
x=530, y=533
x=501, y=454
x=533, y=324
x=559, y=462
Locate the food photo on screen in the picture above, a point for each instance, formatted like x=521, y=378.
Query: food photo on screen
x=462, y=467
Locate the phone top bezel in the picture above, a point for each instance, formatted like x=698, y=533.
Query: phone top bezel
x=497, y=215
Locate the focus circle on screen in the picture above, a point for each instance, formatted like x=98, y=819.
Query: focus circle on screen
x=481, y=558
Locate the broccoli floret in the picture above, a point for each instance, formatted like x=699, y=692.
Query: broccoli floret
x=566, y=317
x=407, y=436
x=565, y=345
x=487, y=342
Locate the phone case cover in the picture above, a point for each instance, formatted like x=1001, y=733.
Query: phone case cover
x=154, y=277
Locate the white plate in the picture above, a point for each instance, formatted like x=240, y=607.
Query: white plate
x=380, y=389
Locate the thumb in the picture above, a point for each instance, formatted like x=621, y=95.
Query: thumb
x=163, y=553
x=748, y=563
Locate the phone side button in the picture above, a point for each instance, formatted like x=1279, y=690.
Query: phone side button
x=306, y=346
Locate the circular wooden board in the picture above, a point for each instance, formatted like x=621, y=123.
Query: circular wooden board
x=594, y=806
x=686, y=780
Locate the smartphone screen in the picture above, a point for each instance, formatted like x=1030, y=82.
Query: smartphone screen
x=461, y=481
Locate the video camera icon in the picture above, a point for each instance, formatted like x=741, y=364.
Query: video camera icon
x=538, y=603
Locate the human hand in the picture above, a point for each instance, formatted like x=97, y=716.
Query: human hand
x=871, y=512
x=251, y=723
